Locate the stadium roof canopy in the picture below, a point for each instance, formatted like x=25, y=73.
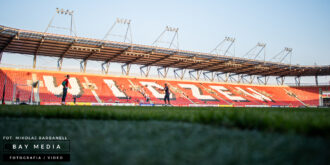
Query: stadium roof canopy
x=63, y=46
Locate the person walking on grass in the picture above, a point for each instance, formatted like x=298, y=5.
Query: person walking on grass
x=65, y=85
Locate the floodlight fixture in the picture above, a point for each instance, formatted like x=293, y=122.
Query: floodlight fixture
x=63, y=11
x=288, y=49
x=123, y=21
x=171, y=29
x=261, y=44
x=231, y=39
x=128, y=34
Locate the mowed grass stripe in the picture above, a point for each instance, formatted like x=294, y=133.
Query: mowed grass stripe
x=306, y=121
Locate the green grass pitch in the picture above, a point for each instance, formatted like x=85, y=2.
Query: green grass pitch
x=178, y=135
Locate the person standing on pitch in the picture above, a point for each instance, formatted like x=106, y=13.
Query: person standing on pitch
x=65, y=85
x=167, y=94
x=17, y=97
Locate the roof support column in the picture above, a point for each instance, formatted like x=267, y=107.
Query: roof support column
x=280, y=80
x=106, y=69
x=59, y=64
x=177, y=74
x=316, y=80
x=83, y=65
x=145, y=72
x=241, y=78
x=165, y=71
x=263, y=82
x=125, y=69
x=207, y=77
x=34, y=61
x=252, y=77
x=320, y=97
x=220, y=78
x=198, y=74
x=1, y=56
x=232, y=79
x=297, y=80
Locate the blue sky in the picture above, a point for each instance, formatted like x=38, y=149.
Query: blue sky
x=303, y=25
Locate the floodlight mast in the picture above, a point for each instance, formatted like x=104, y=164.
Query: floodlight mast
x=279, y=58
x=72, y=28
x=162, y=71
x=282, y=55
x=175, y=36
x=126, y=37
x=218, y=49
x=221, y=49
x=123, y=21
x=255, y=52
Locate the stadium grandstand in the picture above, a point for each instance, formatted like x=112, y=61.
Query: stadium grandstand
x=44, y=86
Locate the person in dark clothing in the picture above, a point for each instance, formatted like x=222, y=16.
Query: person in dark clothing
x=74, y=99
x=167, y=94
x=17, y=97
x=65, y=85
x=147, y=98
